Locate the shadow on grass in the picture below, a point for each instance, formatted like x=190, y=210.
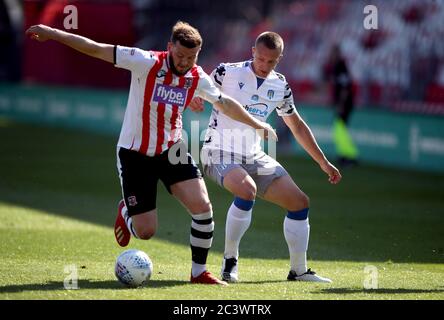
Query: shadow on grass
x=262, y=282
x=89, y=284
x=354, y=291
x=73, y=174
x=378, y=291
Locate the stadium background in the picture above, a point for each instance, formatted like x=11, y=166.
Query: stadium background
x=60, y=114
x=397, y=70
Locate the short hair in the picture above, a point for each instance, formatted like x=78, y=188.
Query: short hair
x=187, y=35
x=271, y=40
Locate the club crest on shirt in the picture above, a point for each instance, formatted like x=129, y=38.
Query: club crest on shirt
x=161, y=73
x=270, y=94
x=188, y=83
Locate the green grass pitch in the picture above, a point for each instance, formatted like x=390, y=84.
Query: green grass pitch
x=59, y=191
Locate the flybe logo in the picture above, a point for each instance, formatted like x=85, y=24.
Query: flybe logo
x=257, y=109
x=169, y=95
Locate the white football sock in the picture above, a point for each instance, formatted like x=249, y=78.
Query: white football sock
x=237, y=223
x=296, y=234
x=129, y=222
x=197, y=269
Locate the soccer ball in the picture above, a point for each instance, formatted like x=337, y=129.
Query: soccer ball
x=133, y=268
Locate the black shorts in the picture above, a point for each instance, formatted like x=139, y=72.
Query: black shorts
x=139, y=175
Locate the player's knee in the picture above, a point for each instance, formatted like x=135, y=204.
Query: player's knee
x=201, y=207
x=146, y=233
x=298, y=202
x=304, y=201
x=247, y=192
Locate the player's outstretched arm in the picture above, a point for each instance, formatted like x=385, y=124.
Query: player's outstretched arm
x=84, y=45
x=306, y=139
x=234, y=110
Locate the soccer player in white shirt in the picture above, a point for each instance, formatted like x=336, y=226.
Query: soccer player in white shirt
x=233, y=158
x=162, y=86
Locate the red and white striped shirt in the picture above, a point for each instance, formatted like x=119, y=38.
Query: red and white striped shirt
x=157, y=98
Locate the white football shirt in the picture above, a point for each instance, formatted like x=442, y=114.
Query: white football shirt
x=240, y=82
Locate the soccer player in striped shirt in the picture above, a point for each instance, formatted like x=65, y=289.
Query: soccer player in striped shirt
x=237, y=162
x=162, y=86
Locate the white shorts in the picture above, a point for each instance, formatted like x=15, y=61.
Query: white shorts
x=262, y=168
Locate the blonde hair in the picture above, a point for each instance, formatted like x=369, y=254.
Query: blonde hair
x=187, y=35
x=271, y=40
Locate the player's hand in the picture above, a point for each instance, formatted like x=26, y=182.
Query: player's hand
x=39, y=32
x=267, y=132
x=196, y=105
x=334, y=176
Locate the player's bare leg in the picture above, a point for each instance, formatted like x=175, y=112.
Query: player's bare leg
x=145, y=224
x=239, y=183
x=194, y=196
x=142, y=226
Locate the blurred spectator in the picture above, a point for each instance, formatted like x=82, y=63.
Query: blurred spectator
x=9, y=57
x=337, y=75
x=386, y=63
